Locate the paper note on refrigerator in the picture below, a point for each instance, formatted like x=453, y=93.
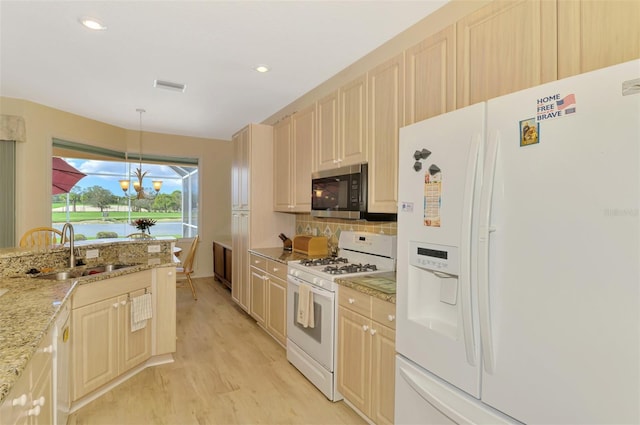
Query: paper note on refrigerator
x=432, y=199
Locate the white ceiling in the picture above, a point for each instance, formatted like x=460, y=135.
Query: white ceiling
x=47, y=57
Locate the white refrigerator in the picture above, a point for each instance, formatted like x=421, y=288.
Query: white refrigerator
x=518, y=276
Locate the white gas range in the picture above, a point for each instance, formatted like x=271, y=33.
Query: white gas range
x=312, y=350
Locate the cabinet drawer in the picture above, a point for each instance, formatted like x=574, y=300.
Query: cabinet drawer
x=110, y=287
x=354, y=300
x=277, y=269
x=384, y=312
x=258, y=262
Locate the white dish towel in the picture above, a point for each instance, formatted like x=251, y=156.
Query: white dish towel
x=304, y=315
x=141, y=311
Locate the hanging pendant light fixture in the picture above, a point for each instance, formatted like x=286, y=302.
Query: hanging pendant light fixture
x=137, y=185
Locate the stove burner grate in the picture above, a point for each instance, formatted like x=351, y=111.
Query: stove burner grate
x=325, y=261
x=350, y=268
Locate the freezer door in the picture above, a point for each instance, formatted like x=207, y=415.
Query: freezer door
x=423, y=399
x=438, y=171
x=559, y=299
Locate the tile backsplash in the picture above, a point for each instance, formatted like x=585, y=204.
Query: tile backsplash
x=331, y=227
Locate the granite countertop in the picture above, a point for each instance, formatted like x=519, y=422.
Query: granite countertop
x=28, y=309
x=379, y=285
x=278, y=254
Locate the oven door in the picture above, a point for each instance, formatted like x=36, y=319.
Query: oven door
x=318, y=341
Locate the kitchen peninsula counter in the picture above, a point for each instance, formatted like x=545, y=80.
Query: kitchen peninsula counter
x=30, y=306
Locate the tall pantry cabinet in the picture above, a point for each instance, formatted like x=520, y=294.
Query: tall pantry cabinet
x=254, y=224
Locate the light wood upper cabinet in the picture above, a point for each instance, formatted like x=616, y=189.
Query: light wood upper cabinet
x=386, y=93
x=596, y=34
x=505, y=47
x=352, y=147
x=294, y=140
x=282, y=153
x=240, y=170
x=327, y=140
x=430, y=77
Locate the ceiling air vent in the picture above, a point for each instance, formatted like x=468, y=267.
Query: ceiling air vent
x=169, y=85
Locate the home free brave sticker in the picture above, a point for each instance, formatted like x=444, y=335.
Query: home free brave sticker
x=555, y=106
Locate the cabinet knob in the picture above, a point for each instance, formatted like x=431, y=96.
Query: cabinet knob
x=19, y=401
x=123, y=302
x=373, y=332
x=352, y=300
x=47, y=349
x=391, y=317
x=34, y=412
x=365, y=328
x=39, y=401
x=115, y=305
x=275, y=269
x=170, y=273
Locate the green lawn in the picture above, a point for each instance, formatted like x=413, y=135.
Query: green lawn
x=111, y=216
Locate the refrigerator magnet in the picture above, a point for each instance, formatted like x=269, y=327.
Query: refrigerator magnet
x=529, y=132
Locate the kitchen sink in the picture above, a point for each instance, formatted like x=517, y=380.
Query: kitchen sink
x=70, y=274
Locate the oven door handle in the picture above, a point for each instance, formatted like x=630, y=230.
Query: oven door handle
x=319, y=291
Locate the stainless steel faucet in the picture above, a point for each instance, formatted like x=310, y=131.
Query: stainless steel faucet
x=72, y=256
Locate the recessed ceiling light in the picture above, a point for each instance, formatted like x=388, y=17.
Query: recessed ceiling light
x=92, y=23
x=262, y=68
x=169, y=85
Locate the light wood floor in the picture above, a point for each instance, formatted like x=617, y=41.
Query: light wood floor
x=226, y=371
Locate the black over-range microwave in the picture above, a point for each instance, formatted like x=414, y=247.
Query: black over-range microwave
x=342, y=193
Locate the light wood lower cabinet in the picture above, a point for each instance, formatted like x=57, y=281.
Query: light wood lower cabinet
x=103, y=345
x=269, y=296
x=31, y=398
x=366, y=354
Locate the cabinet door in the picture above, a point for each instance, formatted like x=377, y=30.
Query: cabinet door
x=282, y=176
x=42, y=393
x=228, y=262
x=386, y=85
x=94, y=346
x=596, y=34
x=239, y=229
x=430, y=77
x=240, y=170
x=218, y=261
x=354, y=357
x=164, y=294
x=326, y=149
x=239, y=182
x=505, y=47
x=383, y=366
x=277, y=309
x=134, y=347
x=353, y=123
x=258, y=295
x=303, y=131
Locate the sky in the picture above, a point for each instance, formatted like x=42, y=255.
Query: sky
x=114, y=171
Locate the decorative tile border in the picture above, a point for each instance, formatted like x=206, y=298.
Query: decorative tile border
x=331, y=228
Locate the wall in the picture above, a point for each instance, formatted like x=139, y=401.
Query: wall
x=33, y=170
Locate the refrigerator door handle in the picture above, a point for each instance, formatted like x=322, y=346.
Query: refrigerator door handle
x=484, y=229
x=429, y=395
x=465, y=249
